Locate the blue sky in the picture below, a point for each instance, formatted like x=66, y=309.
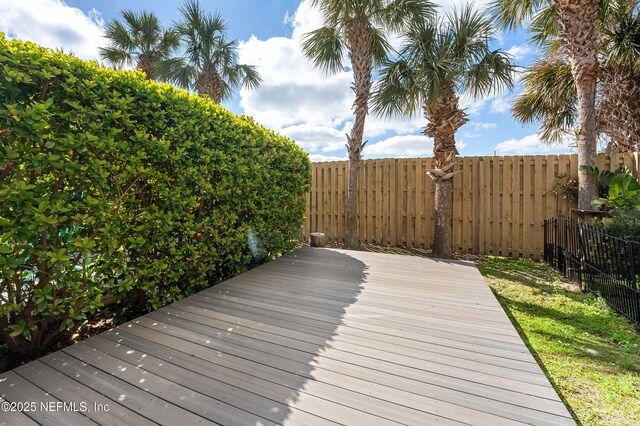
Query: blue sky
x=311, y=108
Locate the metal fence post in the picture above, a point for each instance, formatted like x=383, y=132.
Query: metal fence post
x=635, y=299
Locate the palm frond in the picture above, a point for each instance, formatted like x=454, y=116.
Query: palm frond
x=222, y=53
x=176, y=71
x=208, y=50
x=216, y=23
x=555, y=133
x=439, y=55
x=395, y=94
x=144, y=28
x=381, y=47
x=398, y=15
x=325, y=48
x=513, y=14
x=421, y=42
x=251, y=79
x=468, y=31
x=545, y=30
x=622, y=40
x=139, y=36
x=118, y=35
x=169, y=41
x=492, y=74
x=549, y=97
x=115, y=57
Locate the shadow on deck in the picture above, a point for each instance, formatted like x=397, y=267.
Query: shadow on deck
x=317, y=337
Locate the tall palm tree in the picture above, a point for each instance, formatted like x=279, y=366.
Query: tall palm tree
x=140, y=41
x=357, y=29
x=438, y=61
x=576, y=22
x=550, y=95
x=210, y=64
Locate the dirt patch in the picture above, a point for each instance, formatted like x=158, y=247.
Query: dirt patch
x=83, y=331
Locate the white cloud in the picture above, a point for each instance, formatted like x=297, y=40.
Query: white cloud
x=450, y=4
x=315, y=137
x=479, y=125
x=378, y=126
x=501, y=104
x=531, y=144
x=520, y=51
x=472, y=106
x=401, y=146
x=471, y=135
x=53, y=24
x=306, y=104
x=293, y=91
x=317, y=158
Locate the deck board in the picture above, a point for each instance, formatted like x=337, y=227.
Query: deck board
x=317, y=337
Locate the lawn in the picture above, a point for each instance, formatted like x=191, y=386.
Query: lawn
x=590, y=354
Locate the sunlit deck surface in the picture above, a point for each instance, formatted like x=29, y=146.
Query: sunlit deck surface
x=317, y=337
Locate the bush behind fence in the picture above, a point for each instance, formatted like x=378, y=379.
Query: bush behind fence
x=499, y=203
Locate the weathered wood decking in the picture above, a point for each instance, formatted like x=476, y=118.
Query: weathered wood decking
x=317, y=337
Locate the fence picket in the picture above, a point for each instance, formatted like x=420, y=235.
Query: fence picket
x=499, y=202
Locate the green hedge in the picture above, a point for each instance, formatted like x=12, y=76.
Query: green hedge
x=111, y=184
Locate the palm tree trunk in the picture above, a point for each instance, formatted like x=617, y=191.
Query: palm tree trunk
x=443, y=210
x=445, y=118
x=351, y=239
x=619, y=108
x=578, y=22
x=587, y=183
x=146, y=64
x=443, y=179
x=360, y=40
x=210, y=84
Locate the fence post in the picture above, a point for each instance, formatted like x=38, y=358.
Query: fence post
x=583, y=253
x=635, y=299
x=545, y=244
x=556, y=243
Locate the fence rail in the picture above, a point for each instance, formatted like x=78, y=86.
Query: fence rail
x=499, y=203
x=597, y=260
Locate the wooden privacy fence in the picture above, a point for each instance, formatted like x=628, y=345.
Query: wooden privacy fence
x=499, y=203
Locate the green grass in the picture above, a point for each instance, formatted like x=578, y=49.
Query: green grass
x=590, y=354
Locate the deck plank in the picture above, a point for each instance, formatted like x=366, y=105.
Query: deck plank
x=121, y=392
x=317, y=337
x=312, y=335
x=414, y=358
x=100, y=409
x=46, y=409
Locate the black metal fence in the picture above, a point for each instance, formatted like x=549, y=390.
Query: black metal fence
x=597, y=260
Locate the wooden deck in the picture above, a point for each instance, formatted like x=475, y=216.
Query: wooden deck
x=317, y=337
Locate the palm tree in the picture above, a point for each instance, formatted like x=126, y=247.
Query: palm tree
x=576, y=22
x=550, y=95
x=140, y=41
x=210, y=65
x=357, y=29
x=438, y=61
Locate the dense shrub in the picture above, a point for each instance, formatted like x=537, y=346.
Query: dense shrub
x=111, y=184
x=624, y=221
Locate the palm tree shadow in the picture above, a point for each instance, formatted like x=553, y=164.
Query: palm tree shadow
x=533, y=280
x=583, y=348
x=507, y=304
x=246, y=350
